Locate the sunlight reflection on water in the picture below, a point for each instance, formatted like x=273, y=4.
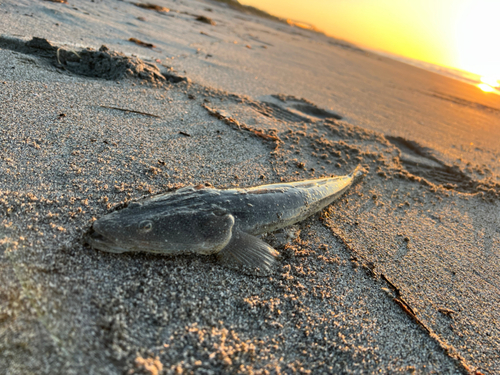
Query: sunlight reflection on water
x=491, y=81
x=489, y=84
x=485, y=87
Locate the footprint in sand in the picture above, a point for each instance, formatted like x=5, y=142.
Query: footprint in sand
x=292, y=109
x=420, y=161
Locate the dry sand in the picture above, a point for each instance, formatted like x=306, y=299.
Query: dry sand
x=401, y=275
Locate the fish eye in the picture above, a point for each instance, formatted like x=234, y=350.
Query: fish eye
x=145, y=226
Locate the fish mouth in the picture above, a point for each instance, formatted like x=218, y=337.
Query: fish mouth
x=100, y=242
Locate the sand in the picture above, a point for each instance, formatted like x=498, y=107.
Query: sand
x=401, y=275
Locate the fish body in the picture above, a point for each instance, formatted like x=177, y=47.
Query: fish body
x=217, y=221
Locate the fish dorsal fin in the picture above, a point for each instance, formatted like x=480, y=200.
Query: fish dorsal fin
x=249, y=253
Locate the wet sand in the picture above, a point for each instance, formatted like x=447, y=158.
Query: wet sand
x=401, y=275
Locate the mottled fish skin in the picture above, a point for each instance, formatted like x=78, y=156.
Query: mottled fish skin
x=213, y=221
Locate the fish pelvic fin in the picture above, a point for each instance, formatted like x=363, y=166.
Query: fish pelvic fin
x=248, y=253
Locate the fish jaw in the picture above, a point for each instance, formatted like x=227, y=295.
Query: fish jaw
x=99, y=242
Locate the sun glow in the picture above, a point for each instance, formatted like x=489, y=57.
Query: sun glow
x=477, y=31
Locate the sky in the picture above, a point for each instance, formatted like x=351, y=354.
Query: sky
x=462, y=34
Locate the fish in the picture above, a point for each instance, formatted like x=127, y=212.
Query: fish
x=224, y=222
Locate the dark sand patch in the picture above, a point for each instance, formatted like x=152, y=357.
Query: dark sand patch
x=104, y=64
x=141, y=43
x=206, y=20
x=151, y=6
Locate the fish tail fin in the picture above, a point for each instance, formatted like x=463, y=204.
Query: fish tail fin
x=250, y=253
x=358, y=173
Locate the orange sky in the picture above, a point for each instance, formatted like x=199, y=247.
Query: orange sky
x=463, y=34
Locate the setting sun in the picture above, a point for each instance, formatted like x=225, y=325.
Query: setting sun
x=477, y=32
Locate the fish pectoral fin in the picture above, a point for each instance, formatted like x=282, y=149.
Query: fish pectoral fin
x=248, y=252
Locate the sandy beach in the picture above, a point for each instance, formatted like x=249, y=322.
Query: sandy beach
x=102, y=103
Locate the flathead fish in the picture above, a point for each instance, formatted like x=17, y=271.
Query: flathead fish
x=212, y=221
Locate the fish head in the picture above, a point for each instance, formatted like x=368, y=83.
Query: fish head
x=143, y=227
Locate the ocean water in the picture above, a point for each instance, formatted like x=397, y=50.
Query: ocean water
x=461, y=75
